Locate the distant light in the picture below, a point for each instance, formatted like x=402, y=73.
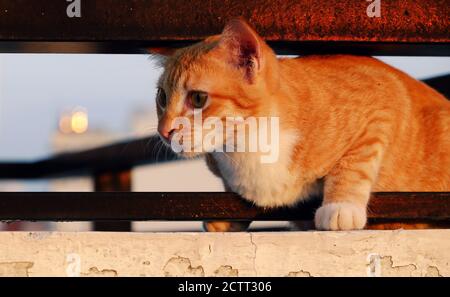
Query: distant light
x=65, y=125
x=79, y=122
x=75, y=121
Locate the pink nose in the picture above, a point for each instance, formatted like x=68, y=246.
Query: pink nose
x=166, y=133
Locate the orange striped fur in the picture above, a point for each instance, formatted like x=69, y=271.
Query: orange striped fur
x=349, y=124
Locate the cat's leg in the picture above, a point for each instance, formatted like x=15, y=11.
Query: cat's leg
x=226, y=226
x=222, y=226
x=347, y=187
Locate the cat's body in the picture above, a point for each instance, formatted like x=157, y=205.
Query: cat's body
x=333, y=116
x=348, y=125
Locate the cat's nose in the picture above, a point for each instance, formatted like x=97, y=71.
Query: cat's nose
x=166, y=133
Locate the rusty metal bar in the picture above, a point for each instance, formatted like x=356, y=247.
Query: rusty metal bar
x=291, y=26
x=115, y=181
x=280, y=47
x=440, y=83
x=113, y=157
x=107, y=206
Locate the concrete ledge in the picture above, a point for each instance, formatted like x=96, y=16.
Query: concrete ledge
x=358, y=253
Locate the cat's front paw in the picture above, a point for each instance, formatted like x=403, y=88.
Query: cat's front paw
x=340, y=216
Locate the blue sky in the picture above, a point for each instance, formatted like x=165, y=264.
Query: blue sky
x=35, y=89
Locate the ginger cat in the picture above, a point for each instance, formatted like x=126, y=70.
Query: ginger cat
x=349, y=125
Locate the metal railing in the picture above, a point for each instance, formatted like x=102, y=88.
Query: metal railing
x=290, y=27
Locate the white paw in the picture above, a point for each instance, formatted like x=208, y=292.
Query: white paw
x=340, y=216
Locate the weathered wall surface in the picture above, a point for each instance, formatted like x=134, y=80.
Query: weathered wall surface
x=359, y=253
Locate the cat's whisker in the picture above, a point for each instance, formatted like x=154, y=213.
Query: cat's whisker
x=167, y=150
x=155, y=149
x=150, y=129
x=159, y=151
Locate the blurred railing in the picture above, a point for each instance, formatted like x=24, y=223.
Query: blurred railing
x=295, y=27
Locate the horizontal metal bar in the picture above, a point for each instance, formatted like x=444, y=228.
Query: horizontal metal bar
x=291, y=26
x=440, y=83
x=61, y=47
x=112, y=157
x=202, y=206
x=280, y=47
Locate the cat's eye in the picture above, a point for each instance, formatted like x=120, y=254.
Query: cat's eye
x=161, y=98
x=198, y=99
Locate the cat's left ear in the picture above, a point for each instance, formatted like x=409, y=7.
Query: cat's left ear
x=244, y=47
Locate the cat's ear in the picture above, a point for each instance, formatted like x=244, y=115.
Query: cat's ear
x=159, y=55
x=163, y=51
x=243, y=46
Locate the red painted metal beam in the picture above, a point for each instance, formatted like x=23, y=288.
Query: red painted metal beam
x=140, y=206
x=285, y=23
x=286, y=20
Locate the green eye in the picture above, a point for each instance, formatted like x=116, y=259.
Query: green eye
x=198, y=99
x=161, y=98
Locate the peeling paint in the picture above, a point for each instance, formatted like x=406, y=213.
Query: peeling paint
x=95, y=272
x=226, y=270
x=242, y=254
x=432, y=271
x=300, y=273
x=15, y=268
x=179, y=266
x=388, y=268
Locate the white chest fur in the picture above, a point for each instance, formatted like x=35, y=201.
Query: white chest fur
x=265, y=184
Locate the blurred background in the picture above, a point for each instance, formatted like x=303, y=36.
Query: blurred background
x=53, y=103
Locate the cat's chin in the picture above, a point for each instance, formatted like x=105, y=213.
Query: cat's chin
x=190, y=155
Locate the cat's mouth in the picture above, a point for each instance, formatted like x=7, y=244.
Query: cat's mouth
x=181, y=147
x=188, y=154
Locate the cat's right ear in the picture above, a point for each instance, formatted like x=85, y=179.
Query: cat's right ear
x=162, y=51
x=160, y=54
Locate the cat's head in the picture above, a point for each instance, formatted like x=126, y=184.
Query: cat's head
x=229, y=75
